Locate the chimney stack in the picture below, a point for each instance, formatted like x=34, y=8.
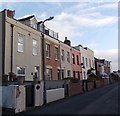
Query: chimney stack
x=10, y=13
x=68, y=42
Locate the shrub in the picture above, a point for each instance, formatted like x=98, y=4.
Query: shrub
x=114, y=76
x=73, y=80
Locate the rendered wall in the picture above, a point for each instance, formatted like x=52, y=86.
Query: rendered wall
x=14, y=97
x=0, y=46
x=38, y=96
x=0, y=62
x=55, y=94
x=25, y=59
x=65, y=65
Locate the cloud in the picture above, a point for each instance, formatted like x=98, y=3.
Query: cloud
x=65, y=29
x=42, y=16
x=69, y=24
x=92, y=45
x=88, y=7
x=86, y=20
x=97, y=1
x=110, y=55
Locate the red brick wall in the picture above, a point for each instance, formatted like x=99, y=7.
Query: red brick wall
x=75, y=88
x=106, y=81
x=98, y=83
x=90, y=85
x=52, y=62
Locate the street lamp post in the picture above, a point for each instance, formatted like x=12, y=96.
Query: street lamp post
x=43, y=58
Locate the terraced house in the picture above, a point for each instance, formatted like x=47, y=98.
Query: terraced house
x=20, y=46
x=52, y=54
x=76, y=63
x=87, y=60
x=102, y=67
x=66, y=59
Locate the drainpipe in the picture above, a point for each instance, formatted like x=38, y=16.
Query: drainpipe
x=3, y=42
x=11, y=68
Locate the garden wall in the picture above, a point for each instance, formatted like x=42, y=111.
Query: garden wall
x=75, y=88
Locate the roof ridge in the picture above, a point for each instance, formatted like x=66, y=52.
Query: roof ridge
x=25, y=18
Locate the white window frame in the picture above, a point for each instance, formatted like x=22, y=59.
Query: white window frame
x=47, y=51
x=63, y=55
x=68, y=57
x=22, y=42
x=68, y=73
x=83, y=60
x=33, y=24
x=73, y=58
x=56, y=53
x=49, y=69
x=17, y=71
x=34, y=47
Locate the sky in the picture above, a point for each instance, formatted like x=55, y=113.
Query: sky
x=91, y=24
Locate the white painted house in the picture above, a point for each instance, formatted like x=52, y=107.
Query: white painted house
x=87, y=59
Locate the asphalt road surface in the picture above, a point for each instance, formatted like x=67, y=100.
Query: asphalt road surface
x=102, y=100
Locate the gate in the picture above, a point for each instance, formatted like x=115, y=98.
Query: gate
x=84, y=85
x=66, y=88
x=29, y=95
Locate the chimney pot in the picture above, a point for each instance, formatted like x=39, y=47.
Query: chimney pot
x=65, y=38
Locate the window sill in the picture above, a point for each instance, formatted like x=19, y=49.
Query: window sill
x=48, y=58
x=34, y=54
x=56, y=59
x=20, y=52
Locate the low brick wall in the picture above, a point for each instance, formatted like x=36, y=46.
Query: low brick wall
x=98, y=83
x=90, y=85
x=106, y=81
x=75, y=88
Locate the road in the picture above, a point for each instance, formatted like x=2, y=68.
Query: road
x=102, y=100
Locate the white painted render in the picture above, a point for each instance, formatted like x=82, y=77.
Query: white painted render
x=14, y=97
x=38, y=94
x=65, y=65
x=55, y=94
x=89, y=54
x=1, y=46
x=25, y=59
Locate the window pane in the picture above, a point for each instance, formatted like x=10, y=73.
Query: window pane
x=34, y=51
x=20, y=42
x=20, y=47
x=68, y=73
x=35, y=43
x=48, y=74
x=35, y=47
x=47, y=50
x=68, y=56
x=20, y=71
x=62, y=55
x=56, y=53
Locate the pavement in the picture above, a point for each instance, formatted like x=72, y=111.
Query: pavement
x=103, y=100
